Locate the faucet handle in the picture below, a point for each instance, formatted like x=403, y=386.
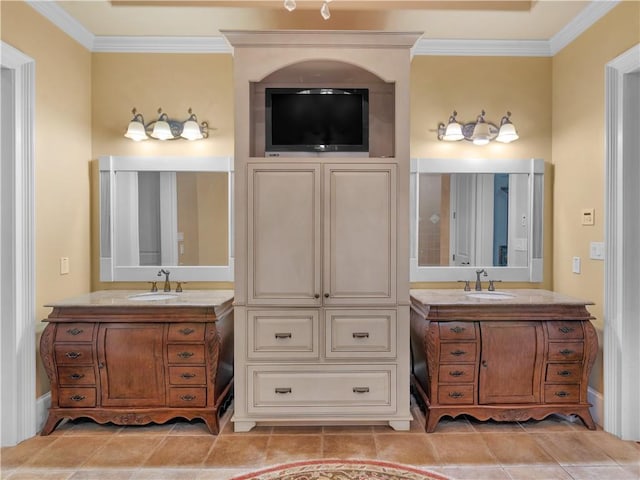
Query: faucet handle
x=179, y=286
x=492, y=287
x=154, y=286
x=467, y=288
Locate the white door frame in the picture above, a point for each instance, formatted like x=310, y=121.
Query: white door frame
x=17, y=323
x=622, y=266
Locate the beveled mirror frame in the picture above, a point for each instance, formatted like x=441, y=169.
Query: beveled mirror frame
x=109, y=272
x=533, y=271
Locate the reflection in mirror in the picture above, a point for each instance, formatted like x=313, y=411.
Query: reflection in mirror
x=152, y=216
x=476, y=213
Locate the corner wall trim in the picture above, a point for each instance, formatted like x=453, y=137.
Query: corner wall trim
x=596, y=399
x=42, y=410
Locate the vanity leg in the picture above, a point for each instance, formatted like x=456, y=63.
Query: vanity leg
x=243, y=426
x=211, y=421
x=399, y=425
x=50, y=425
x=431, y=421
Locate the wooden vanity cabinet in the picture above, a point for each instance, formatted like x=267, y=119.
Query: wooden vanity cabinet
x=504, y=362
x=137, y=365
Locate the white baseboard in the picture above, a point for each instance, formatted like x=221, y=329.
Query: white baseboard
x=596, y=399
x=42, y=410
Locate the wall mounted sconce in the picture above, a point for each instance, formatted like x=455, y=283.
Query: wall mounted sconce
x=165, y=128
x=290, y=5
x=479, y=132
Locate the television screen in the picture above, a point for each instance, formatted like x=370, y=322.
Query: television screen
x=317, y=120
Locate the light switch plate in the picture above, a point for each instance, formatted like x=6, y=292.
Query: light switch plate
x=596, y=250
x=588, y=216
x=575, y=266
x=64, y=265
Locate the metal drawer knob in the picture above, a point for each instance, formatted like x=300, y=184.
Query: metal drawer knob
x=187, y=375
x=77, y=398
x=186, y=331
x=456, y=394
x=283, y=390
x=75, y=331
x=456, y=373
x=360, y=389
x=360, y=334
x=76, y=376
x=457, y=329
x=566, y=329
x=188, y=398
x=562, y=394
x=566, y=351
x=73, y=355
x=185, y=354
x=457, y=353
x=564, y=373
x=283, y=335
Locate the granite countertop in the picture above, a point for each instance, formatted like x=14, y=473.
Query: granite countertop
x=123, y=298
x=499, y=297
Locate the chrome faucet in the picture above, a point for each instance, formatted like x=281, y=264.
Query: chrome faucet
x=478, y=283
x=167, y=284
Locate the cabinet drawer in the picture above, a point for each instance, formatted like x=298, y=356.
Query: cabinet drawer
x=186, y=332
x=454, y=373
x=73, y=354
x=340, y=389
x=455, y=394
x=187, y=353
x=563, y=372
x=561, y=393
x=282, y=334
x=187, y=375
x=457, y=330
x=75, y=332
x=76, y=376
x=360, y=333
x=462, y=352
x=187, y=397
x=77, y=397
x=565, y=330
x=567, y=351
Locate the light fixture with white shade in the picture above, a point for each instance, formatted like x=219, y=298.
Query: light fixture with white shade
x=480, y=132
x=165, y=128
x=290, y=5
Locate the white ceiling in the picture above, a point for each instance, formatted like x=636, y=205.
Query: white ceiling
x=125, y=25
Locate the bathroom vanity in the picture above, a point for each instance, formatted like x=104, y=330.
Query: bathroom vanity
x=132, y=357
x=507, y=355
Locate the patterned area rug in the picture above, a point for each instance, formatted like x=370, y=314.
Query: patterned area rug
x=341, y=470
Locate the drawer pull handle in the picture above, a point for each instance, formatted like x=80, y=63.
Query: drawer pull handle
x=73, y=355
x=185, y=354
x=77, y=398
x=566, y=329
x=457, y=329
x=187, y=375
x=360, y=334
x=566, y=352
x=456, y=394
x=188, y=398
x=457, y=353
x=76, y=376
x=564, y=373
x=283, y=390
x=75, y=331
x=562, y=394
x=360, y=389
x=186, y=331
x=283, y=335
x=456, y=373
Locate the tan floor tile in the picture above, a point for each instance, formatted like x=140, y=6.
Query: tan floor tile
x=13, y=457
x=41, y=474
x=69, y=452
x=258, y=430
x=517, y=449
x=297, y=430
x=194, y=427
x=181, y=451
x=291, y=448
x=573, y=448
x=553, y=423
x=150, y=429
x=457, y=425
x=88, y=427
x=165, y=474
x=238, y=451
x=492, y=426
x=347, y=429
x=623, y=452
x=474, y=473
x=348, y=446
x=538, y=472
x=408, y=449
x=124, y=451
x=221, y=473
x=102, y=474
x=463, y=449
x=598, y=472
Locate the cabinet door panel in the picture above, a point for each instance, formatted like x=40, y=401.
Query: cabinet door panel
x=511, y=362
x=131, y=365
x=359, y=234
x=284, y=234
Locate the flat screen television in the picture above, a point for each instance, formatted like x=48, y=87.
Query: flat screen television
x=317, y=120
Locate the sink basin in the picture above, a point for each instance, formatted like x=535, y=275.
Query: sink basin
x=491, y=295
x=152, y=296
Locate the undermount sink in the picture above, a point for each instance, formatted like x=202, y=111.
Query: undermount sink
x=491, y=295
x=152, y=296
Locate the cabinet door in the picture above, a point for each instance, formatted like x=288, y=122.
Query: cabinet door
x=359, y=265
x=284, y=234
x=510, y=362
x=131, y=364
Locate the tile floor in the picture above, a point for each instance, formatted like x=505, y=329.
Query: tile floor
x=461, y=449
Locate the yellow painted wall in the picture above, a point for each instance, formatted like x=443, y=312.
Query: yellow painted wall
x=521, y=85
x=578, y=153
x=62, y=153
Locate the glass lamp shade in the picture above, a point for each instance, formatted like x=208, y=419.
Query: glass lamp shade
x=453, y=133
x=324, y=10
x=290, y=5
x=161, y=130
x=136, y=131
x=191, y=130
x=481, y=134
x=507, y=133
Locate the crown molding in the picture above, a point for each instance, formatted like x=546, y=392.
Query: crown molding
x=218, y=44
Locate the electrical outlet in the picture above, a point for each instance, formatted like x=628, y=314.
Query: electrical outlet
x=575, y=265
x=64, y=265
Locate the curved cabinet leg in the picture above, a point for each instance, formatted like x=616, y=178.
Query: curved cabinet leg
x=243, y=426
x=51, y=423
x=211, y=421
x=399, y=425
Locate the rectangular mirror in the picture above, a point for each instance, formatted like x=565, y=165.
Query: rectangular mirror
x=470, y=214
x=172, y=213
